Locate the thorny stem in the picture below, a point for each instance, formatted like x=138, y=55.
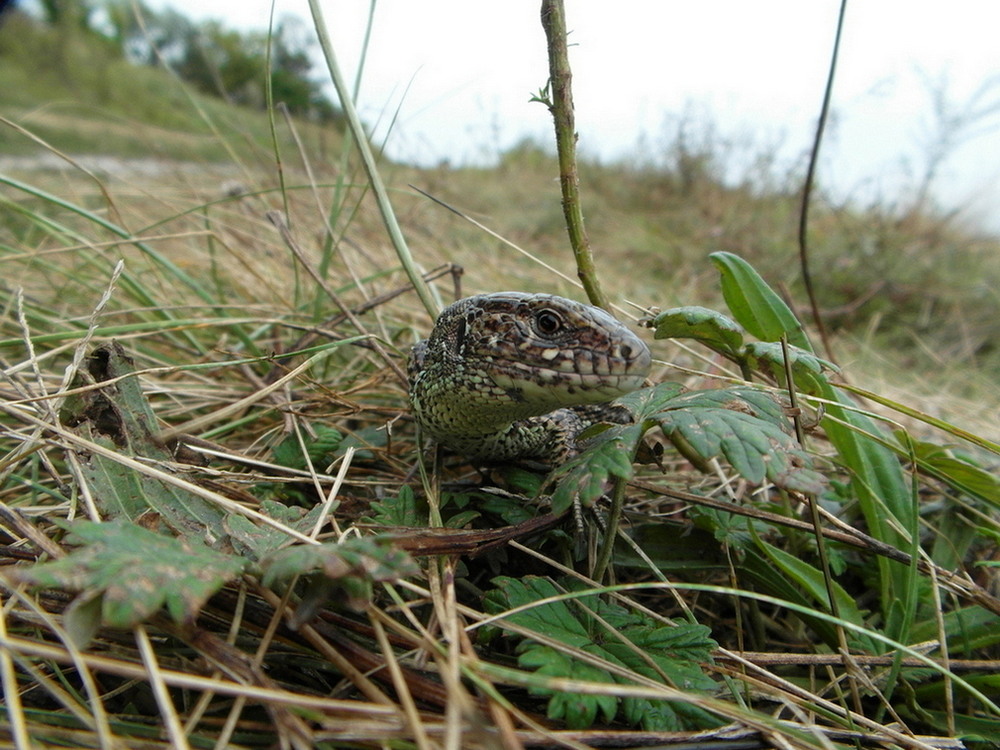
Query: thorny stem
x=560, y=105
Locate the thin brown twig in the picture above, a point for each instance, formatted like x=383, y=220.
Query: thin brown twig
x=955, y=583
x=323, y=328
x=807, y=188
x=766, y=658
x=286, y=235
x=561, y=106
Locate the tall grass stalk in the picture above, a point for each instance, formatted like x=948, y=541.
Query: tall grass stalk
x=368, y=161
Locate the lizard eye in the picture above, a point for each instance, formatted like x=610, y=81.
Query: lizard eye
x=548, y=322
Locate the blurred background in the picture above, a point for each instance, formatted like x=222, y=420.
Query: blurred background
x=695, y=122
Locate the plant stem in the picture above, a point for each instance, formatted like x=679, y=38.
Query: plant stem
x=611, y=530
x=824, y=115
x=561, y=107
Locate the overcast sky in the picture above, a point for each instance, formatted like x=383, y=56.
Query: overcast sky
x=457, y=75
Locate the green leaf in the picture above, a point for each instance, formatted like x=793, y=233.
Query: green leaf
x=960, y=473
x=118, y=417
x=326, y=445
x=319, y=448
x=363, y=440
x=647, y=402
x=402, y=510
x=554, y=619
x=883, y=494
x=577, y=710
x=511, y=509
x=676, y=548
x=811, y=580
x=748, y=428
x=675, y=652
x=954, y=536
x=257, y=540
x=877, y=478
x=607, y=455
x=968, y=630
x=134, y=572
x=82, y=619
x=808, y=370
x=708, y=327
x=521, y=480
x=974, y=729
x=754, y=304
x=352, y=566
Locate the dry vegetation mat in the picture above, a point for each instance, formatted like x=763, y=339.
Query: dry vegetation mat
x=218, y=527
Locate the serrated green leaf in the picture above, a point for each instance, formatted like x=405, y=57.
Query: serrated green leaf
x=649, y=401
x=554, y=618
x=754, y=304
x=257, y=540
x=352, y=565
x=338, y=572
x=708, y=327
x=578, y=710
x=326, y=445
x=660, y=716
x=134, y=572
x=748, y=428
x=585, y=477
x=318, y=447
x=677, y=652
x=402, y=510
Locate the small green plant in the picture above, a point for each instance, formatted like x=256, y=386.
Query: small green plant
x=600, y=632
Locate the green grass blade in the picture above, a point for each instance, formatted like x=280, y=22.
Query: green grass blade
x=368, y=160
x=160, y=260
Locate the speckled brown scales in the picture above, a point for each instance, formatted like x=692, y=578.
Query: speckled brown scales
x=513, y=376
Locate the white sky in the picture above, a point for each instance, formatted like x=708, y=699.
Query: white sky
x=460, y=74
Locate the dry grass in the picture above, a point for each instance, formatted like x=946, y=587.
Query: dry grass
x=239, y=346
